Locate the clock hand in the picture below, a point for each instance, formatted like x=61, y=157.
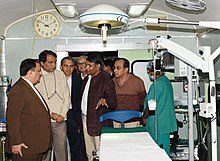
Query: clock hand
x=45, y=25
x=51, y=23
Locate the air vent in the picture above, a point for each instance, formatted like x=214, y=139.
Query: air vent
x=189, y=5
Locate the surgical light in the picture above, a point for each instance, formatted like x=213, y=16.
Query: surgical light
x=104, y=17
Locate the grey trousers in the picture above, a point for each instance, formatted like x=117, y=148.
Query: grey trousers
x=59, y=142
x=27, y=157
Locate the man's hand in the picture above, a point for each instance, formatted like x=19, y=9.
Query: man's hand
x=143, y=121
x=54, y=116
x=101, y=102
x=145, y=116
x=58, y=118
x=16, y=149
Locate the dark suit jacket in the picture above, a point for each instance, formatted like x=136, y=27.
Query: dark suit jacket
x=28, y=121
x=101, y=86
x=75, y=99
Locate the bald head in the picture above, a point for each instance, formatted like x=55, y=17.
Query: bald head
x=81, y=58
x=81, y=64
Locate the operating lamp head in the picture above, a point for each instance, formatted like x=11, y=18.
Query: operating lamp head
x=104, y=17
x=104, y=14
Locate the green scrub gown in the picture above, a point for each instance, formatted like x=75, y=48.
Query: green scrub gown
x=165, y=113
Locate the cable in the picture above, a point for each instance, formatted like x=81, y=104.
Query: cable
x=34, y=10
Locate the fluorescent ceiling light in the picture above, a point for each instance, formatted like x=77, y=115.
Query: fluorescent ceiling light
x=190, y=5
x=68, y=10
x=137, y=9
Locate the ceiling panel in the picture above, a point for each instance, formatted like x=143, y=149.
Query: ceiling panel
x=12, y=10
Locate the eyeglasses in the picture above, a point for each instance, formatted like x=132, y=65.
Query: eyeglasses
x=90, y=65
x=79, y=64
x=117, y=68
x=34, y=70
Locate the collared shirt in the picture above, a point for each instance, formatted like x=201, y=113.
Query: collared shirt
x=85, y=96
x=35, y=90
x=82, y=76
x=69, y=82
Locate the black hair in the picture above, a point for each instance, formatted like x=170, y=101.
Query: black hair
x=67, y=58
x=95, y=58
x=109, y=62
x=150, y=66
x=126, y=63
x=158, y=66
x=43, y=55
x=27, y=65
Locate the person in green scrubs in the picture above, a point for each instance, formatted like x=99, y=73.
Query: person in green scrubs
x=161, y=122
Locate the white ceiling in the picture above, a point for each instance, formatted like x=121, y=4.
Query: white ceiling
x=12, y=10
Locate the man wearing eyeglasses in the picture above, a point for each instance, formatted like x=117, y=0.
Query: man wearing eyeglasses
x=28, y=117
x=54, y=89
x=130, y=90
x=81, y=66
x=98, y=97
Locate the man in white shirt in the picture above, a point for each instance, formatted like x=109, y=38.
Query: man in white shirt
x=98, y=97
x=74, y=127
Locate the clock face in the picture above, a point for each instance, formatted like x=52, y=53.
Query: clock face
x=46, y=25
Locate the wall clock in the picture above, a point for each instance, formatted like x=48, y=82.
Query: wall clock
x=46, y=25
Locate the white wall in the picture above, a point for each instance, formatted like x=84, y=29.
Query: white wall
x=21, y=41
